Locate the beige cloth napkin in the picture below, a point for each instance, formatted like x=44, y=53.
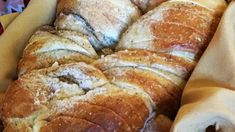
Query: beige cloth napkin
x=14, y=39
x=7, y=19
x=209, y=97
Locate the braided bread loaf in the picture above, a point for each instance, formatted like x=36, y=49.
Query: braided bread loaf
x=138, y=88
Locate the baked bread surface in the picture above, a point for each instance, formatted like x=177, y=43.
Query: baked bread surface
x=64, y=85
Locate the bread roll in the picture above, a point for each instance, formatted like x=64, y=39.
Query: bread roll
x=147, y=59
x=178, y=27
x=103, y=21
x=48, y=46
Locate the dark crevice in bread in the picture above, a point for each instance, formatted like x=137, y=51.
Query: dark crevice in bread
x=98, y=42
x=67, y=79
x=103, y=40
x=85, y=29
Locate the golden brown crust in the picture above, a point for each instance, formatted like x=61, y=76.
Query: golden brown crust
x=67, y=5
x=160, y=123
x=124, y=106
x=14, y=129
x=193, y=27
x=180, y=28
x=154, y=3
x=31, y=92
x=138, y=103
x=183, y=39
x=91, y=108
x=190, y=15
x=19, y=102
x=48, y=46
x=102, y=116
x=36, y=95
x=51, y=40
x=163, y=93
x=70, y=124
x=144, y=58
x=127, y=103
x=141, y=84
x=44, y=60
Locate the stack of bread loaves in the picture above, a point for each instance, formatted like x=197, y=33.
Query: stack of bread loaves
x=64, y=86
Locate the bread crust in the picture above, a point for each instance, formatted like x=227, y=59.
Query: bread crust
x=103, y=20
x=178, y=27
x=70, y=124
x=136, y=89
x=144, y=58
x=147, y=5
x=49, y=46
x=41, y=99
